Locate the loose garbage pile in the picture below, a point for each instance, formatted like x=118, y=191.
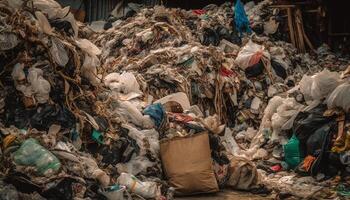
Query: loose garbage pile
x=167, y=102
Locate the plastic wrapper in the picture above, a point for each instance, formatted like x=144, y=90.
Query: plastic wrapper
x=250, y=55
x=145, y=189
x=340, y=97
x=31, y=153
x=58, y=52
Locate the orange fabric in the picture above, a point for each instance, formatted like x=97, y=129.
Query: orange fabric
x=308, y=162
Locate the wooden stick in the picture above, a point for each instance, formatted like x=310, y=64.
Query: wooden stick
x=299, y=30
x=290, y=26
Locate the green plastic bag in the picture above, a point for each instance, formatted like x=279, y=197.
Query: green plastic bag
x=31, y=153
x=292, y=154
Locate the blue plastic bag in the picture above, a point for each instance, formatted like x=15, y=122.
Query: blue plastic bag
x=241, y=19
x=156, y=112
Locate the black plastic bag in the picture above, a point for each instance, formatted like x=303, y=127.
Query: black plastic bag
x=279, y=69
x=254, y=70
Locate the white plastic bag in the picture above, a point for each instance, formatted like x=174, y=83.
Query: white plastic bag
x=305, y=87
x=135, y=165
x=88, y=47
x=40, y=86
x=89, y=69
x=323, y=84
x=145, y=189
x=340, y=97
x=250, y=55
x=230, y=143
x=58, y=52
x=179, y=97
x=125, y=82
x=130, y=113
x=43, y=23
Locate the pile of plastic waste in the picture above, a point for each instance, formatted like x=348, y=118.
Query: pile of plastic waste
x=106, y=115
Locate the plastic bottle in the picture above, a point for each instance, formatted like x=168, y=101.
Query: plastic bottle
x=31, y=153
x=144, y=189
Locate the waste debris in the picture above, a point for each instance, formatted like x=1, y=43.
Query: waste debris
x=167, y=102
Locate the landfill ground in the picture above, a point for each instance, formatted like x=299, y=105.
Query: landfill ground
x=226, y=195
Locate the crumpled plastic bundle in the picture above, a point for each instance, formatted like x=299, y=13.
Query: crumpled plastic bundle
x=319, y=85
x=340, y=97
x=251, y=54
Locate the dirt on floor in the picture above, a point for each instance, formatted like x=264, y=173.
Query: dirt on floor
x=227, y=194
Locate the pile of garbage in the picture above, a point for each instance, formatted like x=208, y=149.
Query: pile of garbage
x=166, y=102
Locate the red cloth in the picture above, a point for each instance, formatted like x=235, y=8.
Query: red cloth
x=226, y=72
x=199, y=12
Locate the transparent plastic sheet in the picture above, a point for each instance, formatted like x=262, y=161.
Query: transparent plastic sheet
x=250, y=55
x=58, y=52
x=89, y=69
x=124, y=83
x=340, y=97
x=305, y=87
x=8, y=41
x=44, y=23
x=323, y=84
x=31, y=153
x=40, y=86
x=88, y=47
x=135, y=166
x=94, y=171
x=149, y=135
x=15, y=3
x=145, y=189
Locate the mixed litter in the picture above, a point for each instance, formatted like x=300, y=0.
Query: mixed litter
x=167, y=102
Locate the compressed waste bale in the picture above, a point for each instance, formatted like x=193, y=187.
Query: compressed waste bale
x=31, y=153
x=188, y=165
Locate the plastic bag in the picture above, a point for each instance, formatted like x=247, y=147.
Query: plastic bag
x=324, y=83
x=230, y=143
x=88, y=47
x=58, y=53
x=145, y=189
x=292, y=154
x=8, y=41
x=241, y=19
x=179, y=97
x=43, y=23
x=130, y=113
x=340, y=97
x=125, y=82
x=31, y=153
x=92, y=170
x=40, y=86
x=114, y=192
x=135, y=166
x=250, y=55
x=305, y=87
x=89, y=69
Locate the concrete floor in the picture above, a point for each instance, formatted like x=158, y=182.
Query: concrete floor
x=225, y=195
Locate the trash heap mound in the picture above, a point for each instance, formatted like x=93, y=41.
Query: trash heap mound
x=165, y=102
